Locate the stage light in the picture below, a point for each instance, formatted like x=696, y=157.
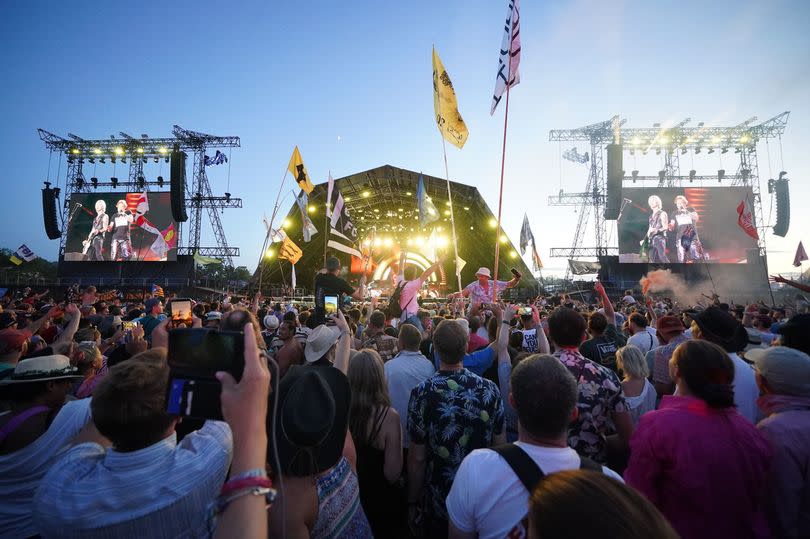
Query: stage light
x=97, y=151
x=227, y=196
x=716, y=139
x=658, y=151
x=697, y=150
x=286, y=224
x=692, y=174
x=140, y=182
x=119, y=150
x=447, y=212
x=720, y=175
x=347, y=199
x=635, y=175
x=311, y=209
x=124, y=160
x=94, y=181
x=102, y=160
x=661, y=175
x=167, y=159
x=112, y=159
x=157, y=159
x=745, y=173
x=466, y=208
x=408, y=193
x=70, y=158
x=269, y=253
x=74, y=151
x=140, y=150
x=635, y=141
x=79, y=182
x=376, y=210
x=400, y=209
x=92, y=160
x=724, y=150
x=163, y=150
x=160, y=181
x=513, y=255
x=447, y=203
x=745, y=139
x=409, y=242
x=388, y=242
x=665, y=140
x=711, y=150
x=504, y=239
x=683, y=151
x=378, y=242
x=366, y=194
x=367, y=242
x=493, y=223
x=114, y=182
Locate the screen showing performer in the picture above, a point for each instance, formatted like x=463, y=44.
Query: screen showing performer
x=121, y=227
x=687, y=225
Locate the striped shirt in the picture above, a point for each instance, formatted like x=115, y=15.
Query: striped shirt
x=164, y=490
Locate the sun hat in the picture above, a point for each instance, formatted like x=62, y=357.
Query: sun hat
x=320, y=341
x=271, y=322
x=213, y=315
x=311, y=419
x=722, y=328
x=41, y=369
x=787, y=370
x=484, y=272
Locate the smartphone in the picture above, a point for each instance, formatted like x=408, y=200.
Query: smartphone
x=330, y=305
x=525, y=311
x=516, y=273
x=128, y=325
x=180, y=312
x=194, y=356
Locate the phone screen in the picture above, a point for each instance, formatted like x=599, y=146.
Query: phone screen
x=330, y=305
x=128, y=325
x=180, y=310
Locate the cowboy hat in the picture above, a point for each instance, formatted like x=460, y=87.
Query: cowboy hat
x=320, y=341
x=312, y=418
x=484, y=272
x=722, y=328
x=42, y=369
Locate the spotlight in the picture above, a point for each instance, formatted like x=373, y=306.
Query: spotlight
x=711, y=150
x=124, y=160
x=102, y=160
x=745, y=173
x=56, y=192
x=92, y=160
x=661, y=175
x=720, y=175
x=227, y=197
x=145, y=159
x=114, y=182
x=112, y=160
x=140, y=182
x=79, y=182
x=697, y=150
x=692, y=174
x=683, y=151
x=160, y=179
x=70, y=158
x=167, y=159
x=157, y=159
x=635, y=175
x=94, y=181
x=724, y=150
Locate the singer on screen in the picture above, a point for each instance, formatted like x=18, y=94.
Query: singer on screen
x=683, y=222
x=121, y=242
x=94, y=244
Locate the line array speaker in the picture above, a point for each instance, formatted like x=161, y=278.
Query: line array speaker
x=782, y=207
x=49, y=212
x=178, y=186
x=615, y=174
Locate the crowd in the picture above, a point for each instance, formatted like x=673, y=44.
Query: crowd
x=631, y=417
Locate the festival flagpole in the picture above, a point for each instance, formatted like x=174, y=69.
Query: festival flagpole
x=327, y=222
x=500, y=191
x=452, y=215
x=269, y=233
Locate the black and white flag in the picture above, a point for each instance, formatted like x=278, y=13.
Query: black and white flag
x=340, y=222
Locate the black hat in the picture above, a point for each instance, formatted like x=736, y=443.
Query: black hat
x=311, y=419
x=799, y=323
x=720, y=327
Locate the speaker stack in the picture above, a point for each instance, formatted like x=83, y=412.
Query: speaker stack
x=49, y=212
x=782, y=190
x=178, y=185
x=615, y=174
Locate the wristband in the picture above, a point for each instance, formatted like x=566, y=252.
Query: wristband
x=223, y=501
x=255, y=472
x=240, y=484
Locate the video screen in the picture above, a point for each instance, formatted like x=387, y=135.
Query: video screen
x=121, y=227
x=686, y=225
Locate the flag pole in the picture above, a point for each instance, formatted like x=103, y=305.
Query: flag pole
x=500, y=191
x=452, y=214
x=327, y=230
x=260, y=265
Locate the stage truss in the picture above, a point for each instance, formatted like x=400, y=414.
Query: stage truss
x=79, y=151
x=672, y=142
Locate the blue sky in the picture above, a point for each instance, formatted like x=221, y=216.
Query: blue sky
x=350, y=84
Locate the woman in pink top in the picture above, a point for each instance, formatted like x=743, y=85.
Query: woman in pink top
x=699, y=461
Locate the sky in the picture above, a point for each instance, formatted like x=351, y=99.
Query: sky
x=350, y=84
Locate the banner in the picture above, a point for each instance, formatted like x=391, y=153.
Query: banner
x=289, y=251
x=427, y=210
x=509, y=58
x=537, y=264
x=218, y=159
x=24, y=253
x=801, y=256
x=745, y=218
x=205, y=260
x=584, y=267
x=299, y=171
x=14, y=260
x=445, y=105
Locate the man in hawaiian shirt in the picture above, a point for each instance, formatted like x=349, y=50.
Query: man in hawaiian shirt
x=449, y=415
x=480, y=291
x=601, y=400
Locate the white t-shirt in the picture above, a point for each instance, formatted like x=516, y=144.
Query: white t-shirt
x=488, y=498
x=21, y=471
x=644, y=340
x=530, y=340
x=407, y=298
x=746, y=391
x=628, y=299
x=403, y=373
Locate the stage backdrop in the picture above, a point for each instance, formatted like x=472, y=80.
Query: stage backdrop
x=152, y=233
x=718, y=238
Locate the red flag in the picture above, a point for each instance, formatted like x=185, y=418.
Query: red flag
x=801, y=256
x=746, y=219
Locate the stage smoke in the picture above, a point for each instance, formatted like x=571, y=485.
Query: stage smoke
x=666, y=281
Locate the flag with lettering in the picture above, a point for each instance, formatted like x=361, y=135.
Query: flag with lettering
x=340, y=223
x=299, y=171
x=745, y=218
x=25, y=253
x=509, y=58
x=427, y=210
x=445, y=105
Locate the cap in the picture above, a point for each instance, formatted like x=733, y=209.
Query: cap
x=786, y=370
x=669, y=324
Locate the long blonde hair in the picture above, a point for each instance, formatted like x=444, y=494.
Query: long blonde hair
x=369, y=392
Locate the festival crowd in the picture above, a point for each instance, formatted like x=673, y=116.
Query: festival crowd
x=631, y=417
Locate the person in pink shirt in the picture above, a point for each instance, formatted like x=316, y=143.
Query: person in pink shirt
x=696, y=458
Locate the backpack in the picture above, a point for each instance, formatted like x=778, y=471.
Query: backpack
x=394, y=309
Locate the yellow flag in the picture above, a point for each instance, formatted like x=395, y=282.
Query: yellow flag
x=299, y=172
x=289, y=251
x=451, y=124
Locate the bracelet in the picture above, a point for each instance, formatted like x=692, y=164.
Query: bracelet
x=255, y=472
x=269, y=493
x=248, y=482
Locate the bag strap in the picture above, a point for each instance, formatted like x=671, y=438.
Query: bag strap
x=587, y=464
x=15, y=422
x=525, y=468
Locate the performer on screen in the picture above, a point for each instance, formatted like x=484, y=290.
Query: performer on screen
x=684, y=223
x=121, y=243
x=657, y=232
x=94, y=244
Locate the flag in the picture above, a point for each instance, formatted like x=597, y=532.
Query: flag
x=276, y=235
x=537, y=264
x=14, y=260
x=25, y=253
x=299, y=171
x=427, y=210
x=801, y=256
x=289, y=251
x=584, y=267
x=509, y=58
x=218, y=159
x=448, y=119
x=526, y=235
x=293, y=278
x=308, y=228
x=157, y=291
x=205, y=260
x=341, y=225
x=330, y=187
x=460, y=263
x=745, y=218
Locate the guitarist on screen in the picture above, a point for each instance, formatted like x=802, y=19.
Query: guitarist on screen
x=656, y=238
x=683, y=222
x=121, y=242
x=94, y=244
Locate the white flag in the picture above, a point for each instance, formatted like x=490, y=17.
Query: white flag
x=509, y=58
x=25, y=253
x=293, y=280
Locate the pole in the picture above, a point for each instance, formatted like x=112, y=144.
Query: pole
x=500, y=191
x=452, y=214
x=327, y=224
x=260, y=265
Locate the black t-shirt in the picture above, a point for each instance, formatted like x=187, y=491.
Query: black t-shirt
x=327, y=284
x=603, y=349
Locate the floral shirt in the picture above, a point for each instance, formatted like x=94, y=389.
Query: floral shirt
x=385, y=345
x=452, y=413
x=600, y=394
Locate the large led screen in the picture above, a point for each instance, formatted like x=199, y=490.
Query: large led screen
x=682, y=225
x=121, y=227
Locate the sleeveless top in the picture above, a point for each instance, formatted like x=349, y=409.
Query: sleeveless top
x=339, y=510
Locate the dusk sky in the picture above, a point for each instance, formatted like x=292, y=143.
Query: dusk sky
x=350, y=84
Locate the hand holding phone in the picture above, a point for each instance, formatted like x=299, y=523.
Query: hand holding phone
x=330, y=305
x=180, y=312
x=516, y=273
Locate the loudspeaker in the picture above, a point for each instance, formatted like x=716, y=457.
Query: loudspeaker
x=178, y=186
x=615, y=174
x=49, y=212
x=782, y=207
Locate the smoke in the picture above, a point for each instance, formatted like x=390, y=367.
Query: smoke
x=731, y=287
x=666, y=281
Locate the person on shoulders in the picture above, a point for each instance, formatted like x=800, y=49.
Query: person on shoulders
x=481, y=291
x=327, y=283
x=410, y=285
